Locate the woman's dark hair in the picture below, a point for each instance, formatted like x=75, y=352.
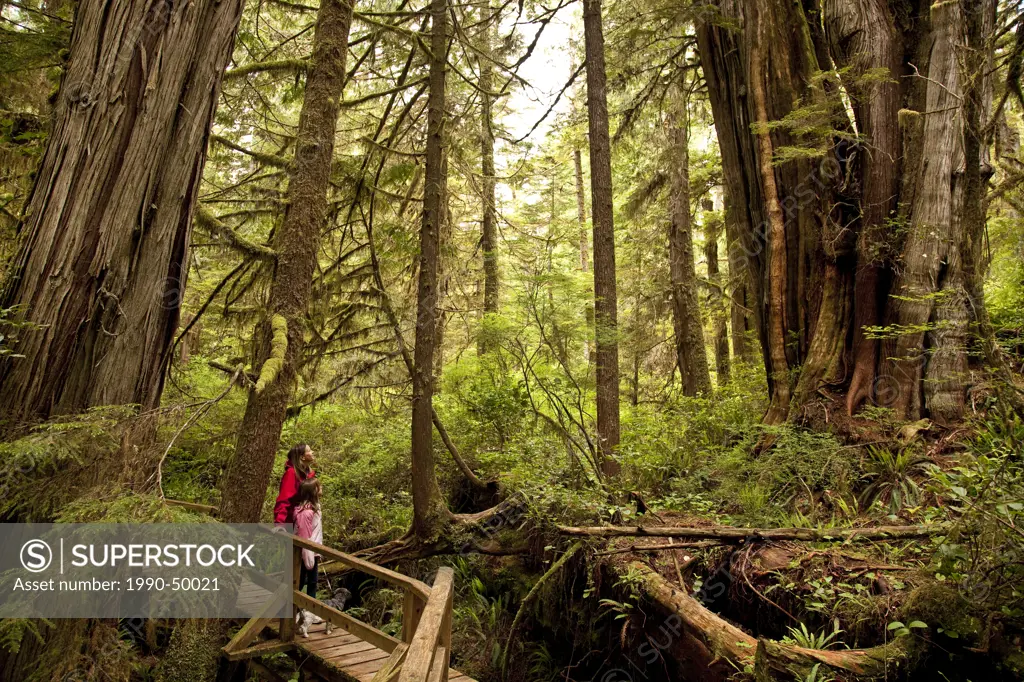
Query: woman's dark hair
x=295, y=457
x=309, y=492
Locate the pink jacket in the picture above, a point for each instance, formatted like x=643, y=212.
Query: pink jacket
x=308, y=525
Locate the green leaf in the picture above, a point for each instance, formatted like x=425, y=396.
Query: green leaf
x=917, y=624
x=895, y=624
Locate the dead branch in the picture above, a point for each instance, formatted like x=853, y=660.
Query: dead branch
x=729, y=535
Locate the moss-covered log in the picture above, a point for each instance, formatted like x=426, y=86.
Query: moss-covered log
x=719, y=647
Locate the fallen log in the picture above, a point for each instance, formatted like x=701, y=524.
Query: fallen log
x=633, y=549
x=717, y=647
x=730, y=535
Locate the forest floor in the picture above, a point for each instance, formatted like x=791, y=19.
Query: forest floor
x=572, y=588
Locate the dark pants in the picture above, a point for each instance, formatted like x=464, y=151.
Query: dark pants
x=307, y=578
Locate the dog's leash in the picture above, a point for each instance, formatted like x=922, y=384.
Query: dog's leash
x=330, y=588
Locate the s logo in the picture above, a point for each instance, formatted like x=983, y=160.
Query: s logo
x=36, y=556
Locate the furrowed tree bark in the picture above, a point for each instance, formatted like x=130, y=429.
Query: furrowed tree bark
x=862, y=37
x=429, y=511
x=874, y=266
x=723, y=64
x=691, y=356
x=605, y=298
x=297, y=243
x=712, y=230
x=981, y=18
x=489, y=234
x=926, y=354
x=103, y=260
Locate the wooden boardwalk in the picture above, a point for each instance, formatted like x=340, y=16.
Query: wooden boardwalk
x=341, y=655
x=354, y=651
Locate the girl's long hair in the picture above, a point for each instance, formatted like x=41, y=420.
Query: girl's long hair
x=309, y=493
x=295, y=457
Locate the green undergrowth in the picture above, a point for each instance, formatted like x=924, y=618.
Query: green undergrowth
x=691, y=460
x=55, y=463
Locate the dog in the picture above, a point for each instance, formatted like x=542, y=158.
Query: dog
x=304, y=619
x=337, y=602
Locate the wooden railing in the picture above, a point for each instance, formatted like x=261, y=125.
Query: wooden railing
x=423, y=653
x=430, y=648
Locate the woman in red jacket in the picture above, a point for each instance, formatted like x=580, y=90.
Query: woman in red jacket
x=296, y=470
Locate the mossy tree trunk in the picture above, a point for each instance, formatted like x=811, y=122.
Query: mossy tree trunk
x=489, y=228
x=194, y=651
x=280, y=339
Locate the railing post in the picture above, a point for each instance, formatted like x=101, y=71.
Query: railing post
x=412, y=609
x=428, y=658
x=444, y=642
x=287, y=625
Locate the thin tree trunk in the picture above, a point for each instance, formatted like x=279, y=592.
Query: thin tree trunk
x=739, y=300
x=489, y=235
x=581, y=214
x=428, y=507
x=776, y=238
x=581, y=211
x=444, y=249
x=605, y=298
x=104, y=256
x=558, y=338
x=712, y=229
x=280, y=339
x=691, y=355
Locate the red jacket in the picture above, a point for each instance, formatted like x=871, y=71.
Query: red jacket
x=284, y=508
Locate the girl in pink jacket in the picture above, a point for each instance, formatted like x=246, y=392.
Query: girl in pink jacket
x=308, y=525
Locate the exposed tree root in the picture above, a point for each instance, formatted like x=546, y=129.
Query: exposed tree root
x=464, y=533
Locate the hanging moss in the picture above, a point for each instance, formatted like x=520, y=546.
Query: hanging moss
x=278, y=347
